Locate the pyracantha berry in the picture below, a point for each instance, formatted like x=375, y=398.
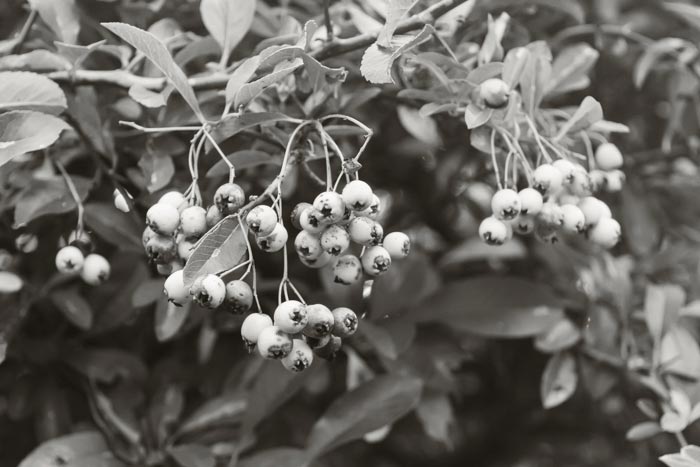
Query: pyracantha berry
x=161, y=249
x=174, y=288
x=495, y=93
x=26, y=242
x=365, y=231
x=593, y=210
x=168, y=268
x=347, y=270
x=193, y=221
x=348, y=216
x=374, y=209
x=81, y=240
x=308, y=245
x=261, y=220
x=614, y=180
x=344, y=322
x=605, y=233
x=252, y=326
x=147, y=235
x=299, y=358
x=316, y=342
x=214, y=216
x=530, y=201
x=331, y=206
x=335, y=240
x=185, y=246
x=273, y=343
x=95, y=270
x=120, y=201
x=547, y=179
x=493, y=231
x=505, y=204
x=608, y=157
x=330, y=350
x=375, y=261
x=163, y=218
x=295, y=216
x=209, y=291
x=320, y=321
x=551, y=215
x=324, y=260
x=397, y=244
x=523, y=224
x=239, y=297
x=580, y=184
x=566, y=168
x=275, y=241
x=69, y=260
x=174, y=199
x=229, y=198
x=357, y=195
x=597, y=179
x=312, y=221
x=291, y=316
x=574, y=220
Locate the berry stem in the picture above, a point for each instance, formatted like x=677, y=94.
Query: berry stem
x=166, y=129
x=494, y=161
x=251, y=266
x=322, y=133
x=231, y=168
x=76, y=197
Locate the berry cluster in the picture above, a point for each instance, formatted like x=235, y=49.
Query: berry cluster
x=76, y=257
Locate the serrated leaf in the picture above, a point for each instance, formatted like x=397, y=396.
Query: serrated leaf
x=570, y=69
x=558, y=380
x=222, y=248
x=23, y=90
x=397, y=9
x=10, y=283
x=422, y=128
x=240, y=76
x=23, y=131
x=47, y=197
x=377, y=61
x=228, y=21
x=192, y=455
x=67, y=450
x=366, y=408
x=586, y=114
x=61, y=16
x=169, y=319
x=475, y=116
x=157, y=52
x=73, y=306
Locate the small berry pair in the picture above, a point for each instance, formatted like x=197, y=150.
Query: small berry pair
x=74, y=259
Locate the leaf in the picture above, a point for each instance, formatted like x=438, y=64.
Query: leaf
x=559, y=337
x=227, y=21
x=492, y=306
x=679, y=353
x=192, y=455
x=222, y=410
x=76, y=54
x=250, y=91
x=366, y=408
x=157, y=52
x=23, y=131
x=687, y=12
x=36, y=60
x=571, y=8
x=10, y=283
x=642, y=431
x=474, y=249
x=535, y=75
x=484, y=72
x=276, y=457
x=243, y=159
x=240, y=76
x=48, y=197
x=475, y=116
x=396, y=11
x=514, y=65
x=73, y=306
x=492, y=49
x=376, y=61
x=148, y=98
x=422, y=128
x=61, y=16
x=114, y=226
x=587, y=114
x=147, y=292
x=364, y=23
x=66, y=451
x=654, y=311
x=234, y=124
x=558, y=380
x=169, y=319
x=570, y=69
x=448, y=23
x=677, y=460
x=437, y=416
x=106, y=365
x=652, y=55
x=158, y=169
x=23, y=90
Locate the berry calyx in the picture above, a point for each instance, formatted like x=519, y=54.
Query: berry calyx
x=229, y=198
x=320, y=321
x=493, y=231
x=331, y=206
x=365, y=231
x=375, y=261
x=505, y=204
x=274, y=343
x=347, y=270
x=335, y=240
x=275, y=241
x=573, y=219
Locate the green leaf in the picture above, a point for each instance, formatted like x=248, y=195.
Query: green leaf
x=396, y=10
x=23, y=131
x=570, y=69
x=192, y=455
x=492, y=49
x=23, y=90
x=377, y=61
x=67, y=451
x=48, y=197
x=448, y=23
x=148, y=98
x=157, y=52
x=73, y=306
x=687, y=12
x=240, y=76
x=227, y=21
x=535, y=75
x=588, y=113
x=642, y=230
x=422, y=128
x=76, y=54
x=558, y=380
x=437, y=416
x=571, y=8
x=484, y=72
x=158, y=169
x=114, y=226
x=514, y=65
x=366, y=408
x=61, y=16
x=653, y=54
x=234, y=124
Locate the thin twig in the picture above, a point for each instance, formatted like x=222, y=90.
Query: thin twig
x=76, y=197
x=22, y=36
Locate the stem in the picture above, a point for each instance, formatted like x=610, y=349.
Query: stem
x=231, y=168
x=76, y=197
x=681, y=439
x=324, y=143
x=493, y=159
x=165, y=129
x=327, y=20
x=252, y=263
x=22, y=36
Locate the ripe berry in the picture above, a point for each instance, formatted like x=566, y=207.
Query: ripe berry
x=299, y=358
x=296, y=214
x=320, y=321
x=209, y=291
x=229, y=198
x=69, y=260
x=161, y=249
x=608, y=157
x=308, y=245
x=193, y=221
x=347, y=270
x=397, y=244
x=331, y=206
x=365, y=231
x=357, y=195
x=120, y=201
x=566, y=168
x=291, y=316
x=317, y=342
x=493, y=231
x=505, y=204
x=261, y=220
x=551, y=215
x=214, y=216
x=239, y=296
x=593, y=210
x=324, y=260
x=530, y=201
x=331, y=349
x=574, y=220
x=335, y=240
x=605, y=233
x=523, y=224
x=163, y=218
x=547, y=179
x=275, y=241
x=597, y=179
x=580, y=183
x=174, y=288
x=174, y=199
x=375, y=261
x=26, y=242
x=348, y=216
x=373, y=210
x=312, y=221
x=614, y=180
x=95, y=270
x=252, y=326
x=273, y=343
x=495, y=93
x=344, y=322
x=185, y=247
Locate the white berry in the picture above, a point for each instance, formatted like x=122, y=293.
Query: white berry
x=347, y=270
x=574, y=220
x=209, y=291
x=193, y=221
x=530, y=201
x=273, y=343
x=345, y=322
x=299, y=358
x=174, y=199
x=308, y=245
x=291, y=316
x=365, y=231
x=493, y=231
x=505, y=204
x=605, y=233
x=69, y=260
x=239, y=296
x=261, y=220
x=163, y=218
x=357, y=195
x=320, y=321
x=331, y=206
x=494, y=92
x=547, y=179
x=174, y=288
x=275, y=241
x=95, y=270
x=253, y=325
x=335, y=240
x=608, y=157
x=397, y=244
x=375, y=261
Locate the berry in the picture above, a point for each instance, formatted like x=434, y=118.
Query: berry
x=296, y=214
x=551, y=215
x=193, y=221
x=614, y=180
x=397, y=244
x=239, y=296
x=291, y=316
x=161, y=249
x=573, y=219
x=597, y=179
x=547, y=179
x=365, y=231
x=357, y=195
x=312, y=221
x=317, y=342
x=120, y=201
x=330, y=350
x=185, y=248
x=530, y=201
x=299, y=358
x=344, y=322
x=229, y=198
x=253, y=325
x=174, y=199
x=505, y=204
x=214, y=216
x=324, y=260
x=174, y=288
x=495, y=93
x=209, y=291
x=593, y=210
x=373, y=210
x=523, y=224
x=335, y=240
x=147, y=235
x=375, y=261
x=163, y=218
x=69, y=260
x=261, y=220
x=580, y=183
x=331, y=206
x=605, y=233
x=95, y=269
x=567, y=168
x=348, y=216
x=275, y=241
x=608, y=157
x=347, y=270
x=320, y=321
x=273, y=343
x=26, y=242
x=308, y=245
x=493, y=231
